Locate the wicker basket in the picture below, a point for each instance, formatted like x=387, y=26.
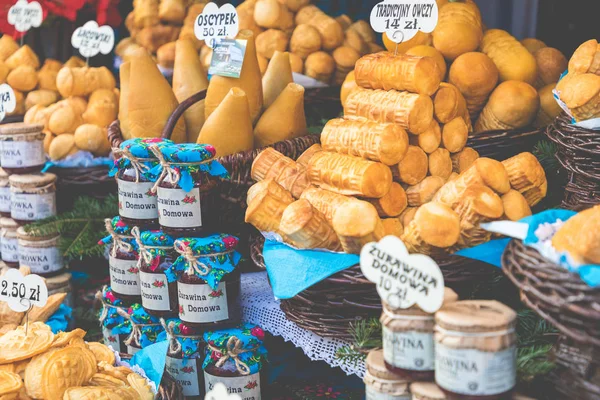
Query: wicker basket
x=578, y=374
x=169, y=389
x=75, y=182
x=501, y=145
x=554, y=293
x=328, y=307
x=11, y=119
x=579, y=154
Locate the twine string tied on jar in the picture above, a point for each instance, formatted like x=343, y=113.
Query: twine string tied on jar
x=233, y=349
x=138, y=163
x=194, y=264
x=118, y=243
x=168, y=169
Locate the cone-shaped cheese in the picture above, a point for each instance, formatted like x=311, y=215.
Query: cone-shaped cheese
x=233, y=118
x=285, y=118
x=189, y=78
x=151, y=100
x=276, y=78
x=250, y=81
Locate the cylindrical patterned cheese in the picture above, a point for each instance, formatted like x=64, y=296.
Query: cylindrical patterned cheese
x=400, y=72
x=375, y=141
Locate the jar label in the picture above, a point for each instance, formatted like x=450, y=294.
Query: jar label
x=409, y=350
x=373, y=394
x=200, y=304
x=124, y=276
x=32, y=207
x=184, y=372
x=112, y=341
x=132, y=350
x=5, y=199
x=179, y=209
x=473, y=372
x=10, y=249
x=22, y=154
x=41, y=260
x=155, y=291
x=136, y=200
x=248, y=387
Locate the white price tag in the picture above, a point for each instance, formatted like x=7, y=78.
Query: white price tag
x=402, y=19
x=21, y=292
x=402, y=279
x=24, y=15
x=91, y=39
x=217, y=22
x=220, y=393
x=8, y=101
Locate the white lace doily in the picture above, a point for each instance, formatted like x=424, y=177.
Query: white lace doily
x=260, y=307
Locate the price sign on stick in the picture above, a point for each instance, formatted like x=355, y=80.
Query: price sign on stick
x=402, y=19
x=22, y=292
x=8, y=101
x=91, y=39
x=402, y=279
x=216, y=22
x=24, y=15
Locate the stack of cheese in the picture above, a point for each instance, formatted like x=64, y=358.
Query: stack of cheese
x=506, y=84
x=79, y=121
x=580, y=88
x=20, y=69
x=366, y=180
x=156, y=25
x=35, y=363
x=320, y=46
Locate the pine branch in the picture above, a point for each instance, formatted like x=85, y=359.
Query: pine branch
x=545, y=151
x=349, y=355
x=80, y=228
x=535, y=340
x=366, y=334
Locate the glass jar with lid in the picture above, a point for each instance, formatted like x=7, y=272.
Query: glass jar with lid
x=381, y=383
x=158, y=279
x=408, y=345
x=22, y=148
x=61, y=284
x=143, y=328
x=476, y=350
x=9, y=242
x=426, y=391
x=208, y=285
x=185, y=357
x=4, y=194
x=136, y=169
x=111, y=317
x=32, y=197
x=122, y=260
x=184, y=189
x=41, y=253
x=235, y=358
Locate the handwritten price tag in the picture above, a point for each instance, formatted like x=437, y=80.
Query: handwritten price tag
x=22, y=291
x=215, y=22
x=91, y=39
x=402, y=279
x=8, y=101
x=24, y=15
x=402, y=19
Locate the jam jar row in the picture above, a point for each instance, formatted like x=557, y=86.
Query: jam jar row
x=167, y=185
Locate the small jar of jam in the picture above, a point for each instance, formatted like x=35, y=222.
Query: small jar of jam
x=111, y=317
x=235, y=358
x=208, y=285
x=184, y=187
x=22, y=148
x=158, y=279
x=4, y=193
x=40, y=253
x=408, y=346
x=184, y=359
x=32, y=197
x=136, y=169
x=144, y=329
x=122, y=260
x=475, y=350
x=9, y=242
x=426, y=391
x=61, y=284
x=382, y=384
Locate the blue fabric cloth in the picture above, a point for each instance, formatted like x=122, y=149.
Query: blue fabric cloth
x=291, y=271
x=140, y=149
x=491, y=252
x=152, y=360
x=81, y=159
x=59, y=321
